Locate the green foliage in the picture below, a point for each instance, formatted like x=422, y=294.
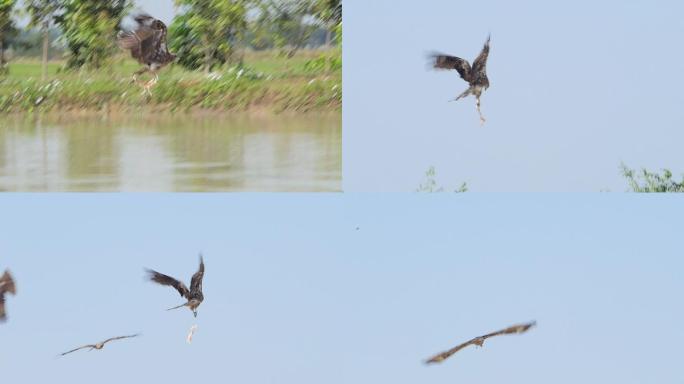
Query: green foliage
x=41, y=12
x=208, y=31
x=282, y=24
x=430, y=183
x=646, y=181
x=7, y=30
x=234, y=88
x=324, y=63
x=89, y=28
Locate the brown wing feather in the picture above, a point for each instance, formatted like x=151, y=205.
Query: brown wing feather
x=119, y=338
x=480, y=63
x=479, y=341
x=79, y=348
x=196, y=282
x=6, y=286
x=163, y=279
x=441, y=61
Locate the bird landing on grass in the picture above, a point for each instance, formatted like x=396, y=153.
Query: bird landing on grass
x=147, y=44
x=476, y=76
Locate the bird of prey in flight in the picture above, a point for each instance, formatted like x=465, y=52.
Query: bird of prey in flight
x=193, y=295
x=99, y=345
x=478, y=341
x=147, y=44
x=6, y=286
x=476, y=76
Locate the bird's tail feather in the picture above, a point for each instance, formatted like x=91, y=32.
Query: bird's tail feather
x=180, y=306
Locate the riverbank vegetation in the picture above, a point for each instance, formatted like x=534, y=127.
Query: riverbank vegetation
x=232, y=55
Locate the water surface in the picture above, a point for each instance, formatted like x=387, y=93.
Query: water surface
x=146, y=152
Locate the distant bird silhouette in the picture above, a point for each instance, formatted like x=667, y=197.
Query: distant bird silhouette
x=99, y=345
x=478, y=341
x=147, y=44
x=476, y=75
x=6, y=286
x=193, y=295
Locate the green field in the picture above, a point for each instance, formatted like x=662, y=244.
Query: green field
x=311, y=80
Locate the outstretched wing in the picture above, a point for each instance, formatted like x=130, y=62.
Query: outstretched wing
x=163, y=279
x=196, y=282
x=438, y=358
x=119, y=338
x=479, y=341
x=145, y=41
x=518, y=328
x=6, y=286
x=79, y=348
x=480, y=63
x=3, y=315
x=7, y=283
x=441, y=61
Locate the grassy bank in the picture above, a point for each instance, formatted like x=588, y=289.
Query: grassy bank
x=309, y=81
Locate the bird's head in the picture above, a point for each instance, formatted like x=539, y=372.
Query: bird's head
x=194, y=312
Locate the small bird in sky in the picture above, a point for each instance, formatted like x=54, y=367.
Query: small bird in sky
x=476, y=76
x=6, y=286
x=99, y=345
x=478, y=341
x=193, y=295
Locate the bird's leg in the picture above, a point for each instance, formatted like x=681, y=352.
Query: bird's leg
x=138, y=73
x=482, y=118
x=151, y=83
x=462, y=95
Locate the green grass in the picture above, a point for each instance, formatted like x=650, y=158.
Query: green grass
x=308, y=81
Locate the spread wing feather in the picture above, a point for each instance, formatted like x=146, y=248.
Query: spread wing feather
x=479, y=341
x=196, y=282
x=146, y=40
x=441, y=61
x=6, y=286
x=163, y=279
x=79, y=348
x=119, y=338
x=480, y=63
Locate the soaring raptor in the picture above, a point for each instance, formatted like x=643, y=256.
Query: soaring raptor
x=99, y=345
x=478, y=341
x=147, y=44
x=193, y=295
x=6, y=286
x=476, y=75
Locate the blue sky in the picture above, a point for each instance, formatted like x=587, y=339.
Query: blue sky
x=576, y=88
x=295, y=294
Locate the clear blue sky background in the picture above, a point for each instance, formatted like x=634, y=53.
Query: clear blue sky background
x=576, y=88
x=295, y=294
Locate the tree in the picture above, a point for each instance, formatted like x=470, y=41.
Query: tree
x=285, y=22
x=6, y=29
x=89, y=28
x=329, y=12
x=208, y=31
x=647, y=181
x=41, y=14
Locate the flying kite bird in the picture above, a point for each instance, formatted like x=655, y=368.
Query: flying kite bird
x=478, y=341
x=6, y=286
x=476, y=75
x=147, y=44
x=193, y=295
x=99, y=345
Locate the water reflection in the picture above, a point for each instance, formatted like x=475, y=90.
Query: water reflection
x=171, y=153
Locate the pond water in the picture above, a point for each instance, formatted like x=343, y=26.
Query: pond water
x=235, y=152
